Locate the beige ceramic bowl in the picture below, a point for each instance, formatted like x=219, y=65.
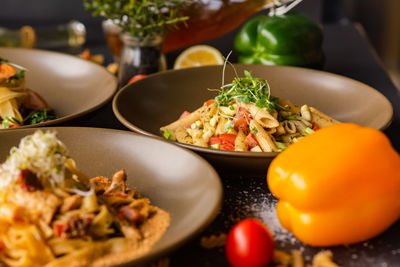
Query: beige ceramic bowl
x=174, y=179
x=159, y=99
x=70, y=85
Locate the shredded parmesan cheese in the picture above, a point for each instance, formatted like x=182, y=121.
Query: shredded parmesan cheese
x=42, y=153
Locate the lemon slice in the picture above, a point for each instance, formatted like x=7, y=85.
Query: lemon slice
x=198, y=55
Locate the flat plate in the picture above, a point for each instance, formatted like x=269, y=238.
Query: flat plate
x=158, y=170
x=159, y=99
x=70, y=85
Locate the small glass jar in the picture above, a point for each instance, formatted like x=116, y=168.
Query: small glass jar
x=112, y=33
x=140, y=56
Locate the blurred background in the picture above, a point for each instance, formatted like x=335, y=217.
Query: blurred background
x=379, y=20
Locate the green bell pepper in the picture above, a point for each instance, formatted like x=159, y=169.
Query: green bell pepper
x=290, y=39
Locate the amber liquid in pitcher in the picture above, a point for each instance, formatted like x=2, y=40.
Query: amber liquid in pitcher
x=209, y=19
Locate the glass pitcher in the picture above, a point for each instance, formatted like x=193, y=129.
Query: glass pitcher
x=208, y=19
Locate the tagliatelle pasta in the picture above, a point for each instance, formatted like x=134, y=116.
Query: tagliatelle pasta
x=19, y=105
x=52, y=215
x=245, y=117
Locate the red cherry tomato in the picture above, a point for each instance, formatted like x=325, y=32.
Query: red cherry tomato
x=249, y=244
x=136, y=77
x=251, y=141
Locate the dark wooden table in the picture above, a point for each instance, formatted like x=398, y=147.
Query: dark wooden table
x=347, y=53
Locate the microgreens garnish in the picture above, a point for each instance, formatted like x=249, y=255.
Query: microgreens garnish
x=247, y=90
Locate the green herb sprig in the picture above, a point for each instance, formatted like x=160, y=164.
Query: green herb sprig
x=38, y=116
x=247, y=89
x=141, y=18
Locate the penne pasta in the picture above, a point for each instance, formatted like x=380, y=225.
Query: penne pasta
x=244, y=117
x=185, y=121
x=321, y=119
x=300, y=126
x=262, y=116
x=264, y=139
x=183, y=136
x=240, y=142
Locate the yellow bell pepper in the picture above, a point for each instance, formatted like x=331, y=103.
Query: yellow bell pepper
x=339, y=185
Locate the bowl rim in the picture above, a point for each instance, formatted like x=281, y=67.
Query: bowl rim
x=73, y=115
x=154, y=254
x=237, y=154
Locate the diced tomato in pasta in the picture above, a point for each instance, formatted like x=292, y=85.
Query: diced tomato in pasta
x=228, y=138
x=14, y=125
x=215, y=140
x=184, y=114
x=209, y=102
x=242, y=120
x=59, y=229
x=251, y=141
x=314, y=126
x=226, y=141
x=227, y=147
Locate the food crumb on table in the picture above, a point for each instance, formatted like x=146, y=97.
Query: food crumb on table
x=213, y=241
x=164, y=262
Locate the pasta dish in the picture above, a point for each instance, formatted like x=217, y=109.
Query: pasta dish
x=19, y=105
x=245, y=117
x=52, y=214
